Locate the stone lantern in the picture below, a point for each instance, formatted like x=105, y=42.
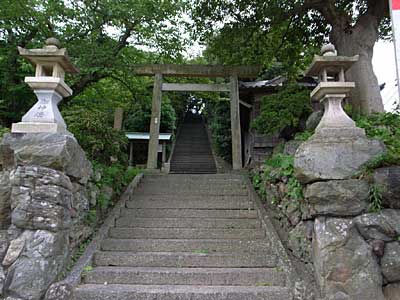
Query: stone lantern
x=48, y=84
x=338, y=149
x=331, y=90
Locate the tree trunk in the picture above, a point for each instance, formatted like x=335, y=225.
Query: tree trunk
x=360, y=40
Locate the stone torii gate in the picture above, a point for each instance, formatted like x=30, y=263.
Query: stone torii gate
x=231, y=72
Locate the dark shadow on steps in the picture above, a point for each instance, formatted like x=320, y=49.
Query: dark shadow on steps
x=192, y=153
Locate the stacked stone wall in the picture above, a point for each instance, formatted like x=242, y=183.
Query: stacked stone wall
x=43, y=206
x=355, y=252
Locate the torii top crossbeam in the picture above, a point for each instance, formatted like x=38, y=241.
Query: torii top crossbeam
x=196, y=70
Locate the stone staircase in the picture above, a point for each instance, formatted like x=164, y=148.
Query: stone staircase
x=187, y=237
x=192, y=153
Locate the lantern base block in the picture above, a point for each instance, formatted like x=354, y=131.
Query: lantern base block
x=30, y=127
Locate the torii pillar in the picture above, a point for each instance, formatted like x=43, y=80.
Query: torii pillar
x=235, y=124
x=155, y=123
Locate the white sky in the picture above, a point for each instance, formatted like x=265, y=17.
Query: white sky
x=385, y=69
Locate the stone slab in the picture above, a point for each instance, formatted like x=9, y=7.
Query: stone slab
x=184, y=233
x=189, y=213
x=186, y=245
x=185, y=259
x=29, y=127
x=167, y=292
x=187, y=276
x=187, y=223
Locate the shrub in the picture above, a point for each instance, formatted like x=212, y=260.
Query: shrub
x=94, y=132
x=3, y=131
x=219, y=120
x=284, y=109
x=138, y=118
x=116, y=176
x=280, y=167
x=375, y=198
x=386, y=128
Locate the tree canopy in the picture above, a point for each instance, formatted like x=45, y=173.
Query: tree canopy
x=288, y=32
x=103, y=37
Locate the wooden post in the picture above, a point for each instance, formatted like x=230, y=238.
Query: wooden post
x=130, y=153
x=155, y=123
x=235, y=124
x=118, y=116
x=164, y=152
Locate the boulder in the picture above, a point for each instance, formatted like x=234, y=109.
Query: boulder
x=390, y=262
x=389, y=179
x=314, y=119
x=5, y=204
x=384, y=225
x=345, y=267
x=59, y=291
x=338, y=197
x=333, y=158
x=41, y=261
x=56, y=151
x=291, y=147
x=392, y=291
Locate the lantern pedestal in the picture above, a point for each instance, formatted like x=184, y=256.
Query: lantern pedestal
x=30, y=127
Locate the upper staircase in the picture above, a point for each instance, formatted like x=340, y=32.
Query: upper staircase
x=192, y=153
x=187, y=237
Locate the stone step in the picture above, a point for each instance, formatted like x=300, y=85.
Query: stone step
x=186, y=276
x=189, y=213
x=185, y=245
x=192, y=171
x=193, y=181
x=198, y=178
x=193, y=184
x=179, y=292
x=185, y=259
x=186, y=233
x=190, y=203
x=187, y=223
x=191, y=192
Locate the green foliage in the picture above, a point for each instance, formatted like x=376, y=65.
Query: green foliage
x=3, y=131
x=91, y=217
x=103, y=37
x=279, y=167
x=103, y=202
x=250, y=25
x=93, y=130
x=116, y=176
x=219, y=120
x=375, y=198
x=386, y=128
x=293, y=30
x=139, y=116
x=283, y=109
x=304, y=135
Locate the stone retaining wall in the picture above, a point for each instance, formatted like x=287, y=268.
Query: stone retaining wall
x=355, y=252
x=43, y=205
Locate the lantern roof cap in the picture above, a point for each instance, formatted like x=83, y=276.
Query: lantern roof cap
x=49, y=54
